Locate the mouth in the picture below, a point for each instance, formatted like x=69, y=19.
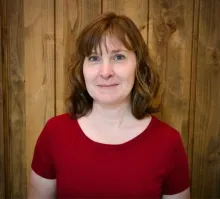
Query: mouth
x=107, y=86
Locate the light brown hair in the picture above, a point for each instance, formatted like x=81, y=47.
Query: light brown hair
x=146, y=85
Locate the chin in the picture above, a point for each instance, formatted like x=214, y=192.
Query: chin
x=109, y=100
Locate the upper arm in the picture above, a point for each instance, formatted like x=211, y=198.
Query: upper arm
x=40, y=187
x=182, y=195
x=177, y=181
x=43, y=174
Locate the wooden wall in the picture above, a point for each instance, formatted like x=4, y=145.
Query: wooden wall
x=36, y=45
x=2, y=170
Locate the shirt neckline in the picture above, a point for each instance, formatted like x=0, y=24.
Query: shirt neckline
x=115, y=146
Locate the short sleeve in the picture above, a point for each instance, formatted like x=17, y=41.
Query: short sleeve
x=42, y=162
x=178, y=178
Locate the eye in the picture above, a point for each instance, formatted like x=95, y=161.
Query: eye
x=119, y=57
x=93, y=58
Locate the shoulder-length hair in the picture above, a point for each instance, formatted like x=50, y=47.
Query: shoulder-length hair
x=146, y=85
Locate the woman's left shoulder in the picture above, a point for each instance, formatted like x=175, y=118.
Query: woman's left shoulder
x=166, y=131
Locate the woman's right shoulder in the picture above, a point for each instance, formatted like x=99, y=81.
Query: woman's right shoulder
x=60, y=123
x=60, y=119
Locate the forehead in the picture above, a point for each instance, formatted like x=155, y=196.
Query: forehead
x=109, y=44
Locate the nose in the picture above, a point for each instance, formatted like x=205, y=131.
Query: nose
x=106, y=71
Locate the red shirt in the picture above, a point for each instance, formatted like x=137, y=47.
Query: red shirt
x=150, y=165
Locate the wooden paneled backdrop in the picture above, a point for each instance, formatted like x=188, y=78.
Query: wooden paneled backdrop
x=36, y=45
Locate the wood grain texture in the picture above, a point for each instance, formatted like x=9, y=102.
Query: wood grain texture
x=14, y=116
x=2, y=156
x=206, y=151
x=71, y=17
x=137, y=10
x=192, y=105
x=170, y=43
x=39, y=70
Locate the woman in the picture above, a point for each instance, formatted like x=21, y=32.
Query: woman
x=109, y=145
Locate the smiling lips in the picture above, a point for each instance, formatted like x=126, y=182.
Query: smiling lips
x=107, y=86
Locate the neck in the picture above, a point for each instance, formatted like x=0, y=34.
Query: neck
x=111, y=115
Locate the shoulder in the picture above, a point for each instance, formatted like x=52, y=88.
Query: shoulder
x=169, y=143
x=59, y=125
x=60, y=118
x=166, y=133
x=59, y=121
x=164, y=128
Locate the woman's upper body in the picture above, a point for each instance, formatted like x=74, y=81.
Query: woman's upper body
x=109, y=145
x=145, y=166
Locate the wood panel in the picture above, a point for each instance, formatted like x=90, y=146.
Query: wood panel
x=14, y=110
x=193, y=86
x=39, y=70
x=206, y=151
x=2, y=165
x=71, y=17
x=170, y=43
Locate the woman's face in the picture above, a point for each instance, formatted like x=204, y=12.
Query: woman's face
x=110, y=74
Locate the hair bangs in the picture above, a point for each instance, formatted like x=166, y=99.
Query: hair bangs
x=97, y=36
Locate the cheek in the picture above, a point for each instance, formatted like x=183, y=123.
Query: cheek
x=131, y=79
x=89, y=74
x=129, y=75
